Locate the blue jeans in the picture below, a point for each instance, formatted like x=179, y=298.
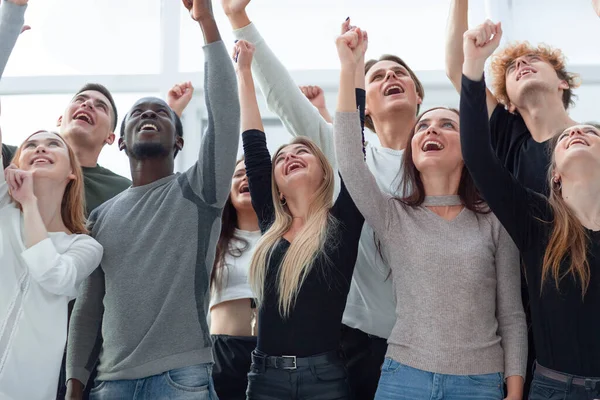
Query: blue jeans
x=187, y=383
x=544, y=388
x=401, y=382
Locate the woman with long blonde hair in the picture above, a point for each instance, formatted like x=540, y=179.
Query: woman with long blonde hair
x=558, y=236
x=302, y=266
x=45, y=255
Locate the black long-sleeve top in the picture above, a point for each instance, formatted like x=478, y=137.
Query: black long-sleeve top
x=314, y=323
x=566, y=327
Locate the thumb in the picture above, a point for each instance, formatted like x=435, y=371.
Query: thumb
x=25, y=28
x=498, y=34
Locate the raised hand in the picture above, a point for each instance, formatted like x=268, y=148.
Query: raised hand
x=479, y=43
x=179, y=97
x=347, y=26
x=199, y=9
x=234, y=6
x=243, y=52
x=596, y=5
x=315, y=95
x=20, y=184
x=349, y=46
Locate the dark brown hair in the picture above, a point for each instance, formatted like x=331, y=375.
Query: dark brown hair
x=412, y=185
x=229, y=221
x=418, y=85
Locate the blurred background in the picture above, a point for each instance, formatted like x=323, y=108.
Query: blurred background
x=141, y=48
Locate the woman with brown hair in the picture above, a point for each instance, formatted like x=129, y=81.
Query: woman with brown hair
x=302, y=266
x=558, y=236
x=45, y=255
x=460, y=326
x=232, y=307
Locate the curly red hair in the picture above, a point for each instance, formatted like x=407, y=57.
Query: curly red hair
x=555, y=57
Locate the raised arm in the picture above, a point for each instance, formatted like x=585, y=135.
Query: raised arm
x=12, y=17
x=517, y=208
x=359, y=181
x=179, y=97
x=457, y=26
x=210, y=178
x=512, y=326
x=282, y=94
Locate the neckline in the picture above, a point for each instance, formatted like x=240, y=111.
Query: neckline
x=442, y=201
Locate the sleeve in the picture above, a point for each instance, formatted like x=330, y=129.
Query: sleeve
x=283, y=96
x=4, y=196
x=502, y=132
x=62, y=273
x=372, y=203
x=210, y=177
x=518, y=209
x=12, y=18
x=512, y=326
x=258, y=171
x=85, y=328
x=361, y=103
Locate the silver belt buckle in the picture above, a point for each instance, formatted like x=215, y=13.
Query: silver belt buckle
x=294, y=360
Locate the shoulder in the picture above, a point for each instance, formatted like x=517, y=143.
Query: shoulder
x=107, y=174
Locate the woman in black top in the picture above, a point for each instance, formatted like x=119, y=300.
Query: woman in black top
x=559, y=238
x=302, y=267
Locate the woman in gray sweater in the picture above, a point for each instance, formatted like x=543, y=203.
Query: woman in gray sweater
x=460, y=327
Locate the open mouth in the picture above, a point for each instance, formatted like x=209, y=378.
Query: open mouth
x=293, y=166
x=40, y=160
x=82, y=116
x=149, y=127
x=525, y=71
x=577, y=141
x=394, y=89
x=432, y=145
x=244, y=189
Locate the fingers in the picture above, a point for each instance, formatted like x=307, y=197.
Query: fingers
x=188, y=4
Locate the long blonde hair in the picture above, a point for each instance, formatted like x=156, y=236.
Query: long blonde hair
x=72, y=209
x=306, y=246
x=568, y=237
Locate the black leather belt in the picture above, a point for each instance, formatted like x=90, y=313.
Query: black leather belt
x=591, y=383
x=293, y=362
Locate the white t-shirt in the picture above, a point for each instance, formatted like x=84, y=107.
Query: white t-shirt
x=36, y=285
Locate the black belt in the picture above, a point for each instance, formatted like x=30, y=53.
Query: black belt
x=293, y=362
x=564, y=378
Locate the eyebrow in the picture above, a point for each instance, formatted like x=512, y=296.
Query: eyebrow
x=35, y=141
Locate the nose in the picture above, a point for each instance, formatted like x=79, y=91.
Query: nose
x=89, y=103
x=576, y=131
x=521, y=61
x=148, y=114
x=431, y=131
x=389, y=74
x=40, y=148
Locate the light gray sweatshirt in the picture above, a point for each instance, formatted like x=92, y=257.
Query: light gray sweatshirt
x=457, y=282
x=150, y=295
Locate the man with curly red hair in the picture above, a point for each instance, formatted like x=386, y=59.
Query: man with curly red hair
x=531, y=93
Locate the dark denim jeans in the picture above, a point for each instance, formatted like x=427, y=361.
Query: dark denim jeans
x=319, y=381
x=544, y=388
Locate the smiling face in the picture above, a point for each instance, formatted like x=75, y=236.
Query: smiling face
x=575, y=146
x=240, y=192
x=149, y=130
x=390, y=87
x=530, y=73
x=436, y=142
x=88, y=120
x=295, y=166
x=46, y=154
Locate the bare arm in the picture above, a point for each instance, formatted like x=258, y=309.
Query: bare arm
x=457, y=25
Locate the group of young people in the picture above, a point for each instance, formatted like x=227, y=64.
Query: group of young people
x=332, y=269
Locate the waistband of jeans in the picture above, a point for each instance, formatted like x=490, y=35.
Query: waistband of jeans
x=566, y=378
x=292, y=362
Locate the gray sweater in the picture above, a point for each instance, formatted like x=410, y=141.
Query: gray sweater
x=150, y=295
x=457, y=282
x=12, y=17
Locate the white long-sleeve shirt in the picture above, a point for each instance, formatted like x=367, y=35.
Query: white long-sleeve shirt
x=36, y=285
x=371, y=303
